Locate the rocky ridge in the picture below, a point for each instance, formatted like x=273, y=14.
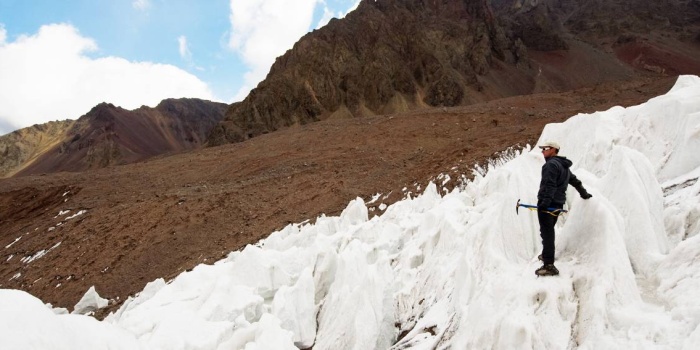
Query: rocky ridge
x=109, y=135
x=391, y=56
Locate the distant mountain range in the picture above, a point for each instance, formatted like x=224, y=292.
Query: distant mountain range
x=109, y=135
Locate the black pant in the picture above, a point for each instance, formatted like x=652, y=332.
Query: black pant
x=547, y=222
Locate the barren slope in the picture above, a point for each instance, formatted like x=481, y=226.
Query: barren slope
x=166, y=215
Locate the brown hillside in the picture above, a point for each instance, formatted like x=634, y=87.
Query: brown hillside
x=157, y=218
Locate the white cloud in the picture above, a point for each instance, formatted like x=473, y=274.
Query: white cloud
x=328, y=14
x=262, y=30
x=47, y=76
x=352, y=8
x=141, y=4
x=183, y=48
x=3, y=34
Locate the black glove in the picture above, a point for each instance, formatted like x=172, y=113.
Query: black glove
x=586, y=195
x=543, y=205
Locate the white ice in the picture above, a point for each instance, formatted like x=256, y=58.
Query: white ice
x=453, y=271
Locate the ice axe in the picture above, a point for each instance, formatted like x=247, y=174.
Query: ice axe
x=551, y=211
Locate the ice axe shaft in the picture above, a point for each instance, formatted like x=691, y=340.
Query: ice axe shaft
x=553, y=211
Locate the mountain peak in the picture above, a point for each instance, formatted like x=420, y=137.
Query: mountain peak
x=391, y=56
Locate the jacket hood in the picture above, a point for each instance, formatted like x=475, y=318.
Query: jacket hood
x=561, y=160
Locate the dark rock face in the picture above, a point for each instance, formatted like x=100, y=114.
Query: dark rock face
x=387, y=56
x=110, y=135
x=534, y=20
x=395, y=55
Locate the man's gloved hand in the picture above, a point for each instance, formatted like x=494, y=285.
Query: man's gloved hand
x=543, y=205
x=586, y=195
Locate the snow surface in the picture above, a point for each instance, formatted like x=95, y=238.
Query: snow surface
x=90, y=302
x=453, y=271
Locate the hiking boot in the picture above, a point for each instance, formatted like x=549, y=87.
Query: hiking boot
x=547, y=270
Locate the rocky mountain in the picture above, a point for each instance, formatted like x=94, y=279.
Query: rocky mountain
x=109, y=135
x=391, y=56
x=24, y=146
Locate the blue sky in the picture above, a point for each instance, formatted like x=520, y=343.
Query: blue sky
x=60, y=58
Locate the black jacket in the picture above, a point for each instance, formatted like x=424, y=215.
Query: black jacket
x=556, y=176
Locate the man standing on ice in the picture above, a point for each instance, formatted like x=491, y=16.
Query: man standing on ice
x=556, y=176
